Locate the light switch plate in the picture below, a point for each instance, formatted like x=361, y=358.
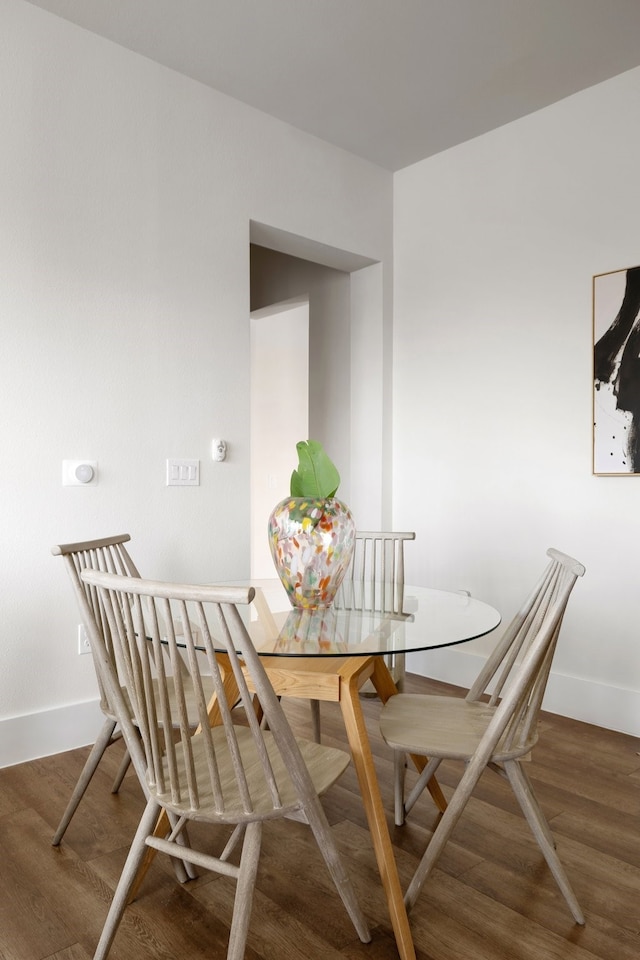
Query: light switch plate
x=183, y=473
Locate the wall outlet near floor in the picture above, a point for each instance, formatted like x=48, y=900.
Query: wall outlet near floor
x=84, y=644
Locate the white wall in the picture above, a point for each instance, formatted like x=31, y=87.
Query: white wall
x=350, y=368
x=276, y=277
x=279, y=414
x=126, y=193
x=496, y=242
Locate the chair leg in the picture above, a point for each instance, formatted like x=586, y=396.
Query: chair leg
x=329, y=850
x=399, y=773
x=244, y=891
x=542, y=832
x=132, y=863
x=122, y=769
x=91, y=764
x=542, y=820
x=184, y=870
x=423, y=781
x=444, y=829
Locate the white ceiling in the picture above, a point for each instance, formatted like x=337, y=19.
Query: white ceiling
x=393, y=81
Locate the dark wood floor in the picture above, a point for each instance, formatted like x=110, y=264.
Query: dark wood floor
x=491, y=897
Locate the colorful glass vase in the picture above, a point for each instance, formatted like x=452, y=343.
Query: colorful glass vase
x=311, y=544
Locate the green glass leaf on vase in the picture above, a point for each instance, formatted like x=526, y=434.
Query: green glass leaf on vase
x=317, y=475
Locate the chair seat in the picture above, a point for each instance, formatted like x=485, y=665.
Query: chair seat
x=439, y=726
x=325, y=764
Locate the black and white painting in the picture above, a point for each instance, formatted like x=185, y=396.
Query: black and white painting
x=616, y=372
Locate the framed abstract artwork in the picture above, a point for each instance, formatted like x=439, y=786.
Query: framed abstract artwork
x=616, y=373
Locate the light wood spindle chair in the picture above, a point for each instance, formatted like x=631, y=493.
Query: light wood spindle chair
x=109, y=554
x=375, y=581
x=232, y=774
x=494, y=727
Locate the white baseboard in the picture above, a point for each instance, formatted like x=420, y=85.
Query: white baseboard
x=614, y=708
x=51, y=731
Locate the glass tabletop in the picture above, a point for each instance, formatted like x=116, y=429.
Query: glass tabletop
x=427, y=618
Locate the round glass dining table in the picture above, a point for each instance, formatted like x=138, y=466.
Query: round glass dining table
x=328, y=654
x=423, y=619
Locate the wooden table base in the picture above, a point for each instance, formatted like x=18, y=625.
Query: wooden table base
x=340, y=679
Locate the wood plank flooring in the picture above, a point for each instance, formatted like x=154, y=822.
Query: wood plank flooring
x=490, y=898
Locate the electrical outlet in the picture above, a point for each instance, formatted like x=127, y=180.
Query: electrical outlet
x=84, y=644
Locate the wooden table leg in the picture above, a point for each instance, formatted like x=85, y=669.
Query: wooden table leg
x=355, y=672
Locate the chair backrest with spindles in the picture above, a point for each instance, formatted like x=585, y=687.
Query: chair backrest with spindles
x=108, y=554
x=227, y=771
x=375, y=576
x=515, y=676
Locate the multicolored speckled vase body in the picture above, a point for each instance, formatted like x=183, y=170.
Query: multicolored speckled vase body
x=311, y=544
